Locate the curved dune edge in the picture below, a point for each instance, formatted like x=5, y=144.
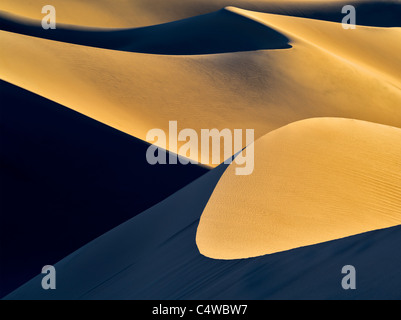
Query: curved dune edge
x=314, y=181
x=64, y=174
x=261, y=90
x=220, y=31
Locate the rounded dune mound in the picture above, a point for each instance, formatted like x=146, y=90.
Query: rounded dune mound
x=314, y=181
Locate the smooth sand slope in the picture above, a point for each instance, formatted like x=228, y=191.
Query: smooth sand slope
x=65, y=180
x=315, y=180
x=375, y=54
x=261, y=90
x=138, y=13
x=154, y=256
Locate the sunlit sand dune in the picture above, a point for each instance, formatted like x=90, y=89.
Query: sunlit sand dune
x=154, y=256
x=67, y=178
x=373, y=53
x=261, y=90
x=315, y=180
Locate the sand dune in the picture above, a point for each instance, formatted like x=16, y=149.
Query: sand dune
x=138, y=13
x=374, y=53
x=154, y=256
x=286, y=69
x=261, y=90
x=65, y=180
x=315, y=180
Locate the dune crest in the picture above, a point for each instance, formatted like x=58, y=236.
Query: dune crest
x=314, y=181
x=139, y=13
x=63, y=173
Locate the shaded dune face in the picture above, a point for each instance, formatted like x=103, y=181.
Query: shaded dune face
x=314, y=181
x=217, y=32
x=65, y=180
